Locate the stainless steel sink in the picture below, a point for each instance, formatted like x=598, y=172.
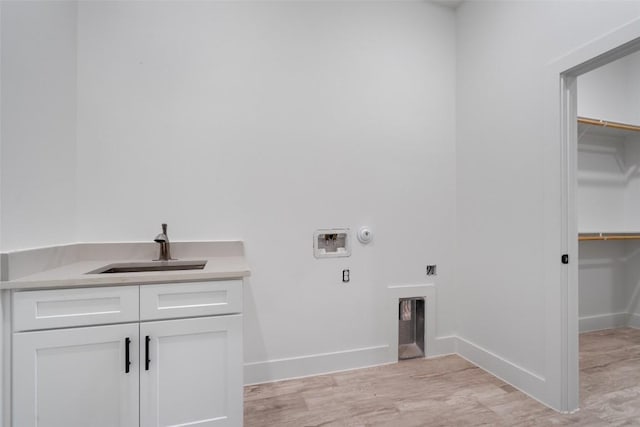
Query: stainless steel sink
x=139, y=267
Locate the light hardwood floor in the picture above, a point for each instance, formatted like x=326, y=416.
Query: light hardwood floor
x=450, y=391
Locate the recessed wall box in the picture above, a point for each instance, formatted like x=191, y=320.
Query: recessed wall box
x=330, y=243
x=411, y=328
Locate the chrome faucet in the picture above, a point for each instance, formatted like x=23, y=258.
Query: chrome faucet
x=165, y=247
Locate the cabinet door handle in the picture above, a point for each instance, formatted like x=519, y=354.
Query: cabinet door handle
x=147, y=339
x=127, y=361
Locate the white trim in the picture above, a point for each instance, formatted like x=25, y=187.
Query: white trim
x=524, y=380
x=327, y=363
x=634, y=321
x=604, y=321
x=570, y=326
x=6, y=338
x=315, y=364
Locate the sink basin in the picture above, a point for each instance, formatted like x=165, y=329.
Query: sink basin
x=140, y=267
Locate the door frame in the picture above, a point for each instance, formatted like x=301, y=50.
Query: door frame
x=562, y=304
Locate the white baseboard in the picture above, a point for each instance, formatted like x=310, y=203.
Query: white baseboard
x=605, y=321
x=526, y=381
x=315, y=364
x=326, y=363
x=444, y=346
x=634, y=321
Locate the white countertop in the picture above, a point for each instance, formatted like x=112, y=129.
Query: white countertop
x=75, y=274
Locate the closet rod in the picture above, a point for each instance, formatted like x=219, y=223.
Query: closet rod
x=604, y=123
x=607, y=236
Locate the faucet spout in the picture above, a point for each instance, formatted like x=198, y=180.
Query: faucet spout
x=165, y=246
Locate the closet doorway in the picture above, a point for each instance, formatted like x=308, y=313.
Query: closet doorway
x=601, y=206
x=608, y=215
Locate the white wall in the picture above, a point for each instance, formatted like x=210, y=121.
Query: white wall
x=612, y=92
x=608, y=183
x=632, y=279
x=634, y=86
x=604, y=93
x=37, y=133
x=506, y=193
x=38, y=169
x=606, y=194
x=606, y=287
x=265, y=121
x=608, y=163
x=632, y=166
x=602, y=184
x=609, y=279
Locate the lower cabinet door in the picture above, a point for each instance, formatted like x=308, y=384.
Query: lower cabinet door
x=76, y=377
x=191, y=372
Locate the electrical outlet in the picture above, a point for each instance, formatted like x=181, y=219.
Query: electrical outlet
x=346, y=276
x=431, y=270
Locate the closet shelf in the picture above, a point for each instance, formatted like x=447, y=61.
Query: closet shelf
x=582, y=237
x=606, y=127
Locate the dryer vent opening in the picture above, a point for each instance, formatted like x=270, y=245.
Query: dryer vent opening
x=410, y=328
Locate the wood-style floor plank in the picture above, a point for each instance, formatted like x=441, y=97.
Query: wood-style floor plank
x=449, y=391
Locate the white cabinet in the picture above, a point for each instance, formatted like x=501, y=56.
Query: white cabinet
x=190, y=300
x=76, y=377
x=173, y=372
x=190, y=372
x=64, y=308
